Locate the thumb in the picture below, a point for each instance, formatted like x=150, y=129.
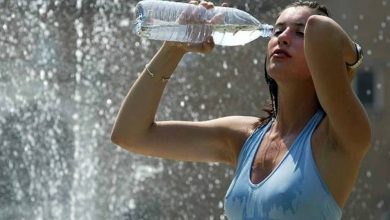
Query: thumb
x=208, y=45
x=204, y=47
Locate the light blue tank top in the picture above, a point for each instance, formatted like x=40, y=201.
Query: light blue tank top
x=294, y=190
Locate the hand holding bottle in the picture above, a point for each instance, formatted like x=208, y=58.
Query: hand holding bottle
x=198, y=14
x=195, y=15
x=182, y=22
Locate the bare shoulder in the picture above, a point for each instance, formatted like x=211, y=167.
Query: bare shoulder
x=242, y=124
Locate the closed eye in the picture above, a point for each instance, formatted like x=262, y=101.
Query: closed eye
x=277, y=32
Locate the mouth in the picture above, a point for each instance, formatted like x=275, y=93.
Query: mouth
x=279, y=53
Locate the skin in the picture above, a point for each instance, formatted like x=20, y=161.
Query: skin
x=314, y=73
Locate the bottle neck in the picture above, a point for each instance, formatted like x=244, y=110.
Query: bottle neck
x=266, y=30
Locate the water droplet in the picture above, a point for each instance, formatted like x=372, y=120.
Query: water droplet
x=380, y=204
x=79, y=4
x=369, y=52
x=225, y=66
x=124, y=23
x=202, y=106
x=76, y=128
x=132, y=204
x=368, y=92
x=182, y=103
x=229, y=85
x=77, y=97
x=79, y=55
x=42, y=74
x=235, y=71
x=109, y=102
x=368, y=174
x=255, y=61
x=42, y=10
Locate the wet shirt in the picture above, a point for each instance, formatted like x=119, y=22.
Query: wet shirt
x=294, y=190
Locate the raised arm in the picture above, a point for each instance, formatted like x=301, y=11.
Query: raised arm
x=328, y=49
x=218, y=140
x=136, y=130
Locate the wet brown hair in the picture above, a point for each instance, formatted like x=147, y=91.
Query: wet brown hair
x=317, y=7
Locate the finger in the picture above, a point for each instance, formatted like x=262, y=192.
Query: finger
x=210, y=5
x=218, y=19
x=208, y=45
x=197, y=14
x=186, y=14
x=203, y=3
x=206, y=4
x=225, y=4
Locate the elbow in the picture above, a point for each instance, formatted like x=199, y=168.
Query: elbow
x=127, y=139
x=318, y=26
x=315, y=27
x=115, y=138
x=130, y=139
x=121, y=140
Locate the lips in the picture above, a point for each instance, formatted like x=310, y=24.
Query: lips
x=279, y=53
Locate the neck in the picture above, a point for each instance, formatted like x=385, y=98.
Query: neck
x=296, y=105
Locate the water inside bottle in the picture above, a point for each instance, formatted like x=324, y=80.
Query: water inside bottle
x=227, y=35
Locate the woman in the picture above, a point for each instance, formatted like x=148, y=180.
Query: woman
x=301, y=162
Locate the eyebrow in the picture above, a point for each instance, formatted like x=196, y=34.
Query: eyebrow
x=284, y=24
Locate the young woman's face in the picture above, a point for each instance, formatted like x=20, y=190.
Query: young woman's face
x=286, y=58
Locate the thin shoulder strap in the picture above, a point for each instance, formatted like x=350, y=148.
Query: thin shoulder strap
x=317, y=118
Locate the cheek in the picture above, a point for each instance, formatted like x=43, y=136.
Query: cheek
x=300, y=52
x=271, y=44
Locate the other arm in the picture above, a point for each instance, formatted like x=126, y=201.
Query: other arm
x=327, y=57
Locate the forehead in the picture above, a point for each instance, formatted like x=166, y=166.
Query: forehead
x=298, y=14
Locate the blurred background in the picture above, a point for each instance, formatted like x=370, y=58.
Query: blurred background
x=65, y=67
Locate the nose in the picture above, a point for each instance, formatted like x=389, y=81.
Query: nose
x=284, y=38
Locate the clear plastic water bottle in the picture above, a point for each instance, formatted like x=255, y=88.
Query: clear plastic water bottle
x=183, y=22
